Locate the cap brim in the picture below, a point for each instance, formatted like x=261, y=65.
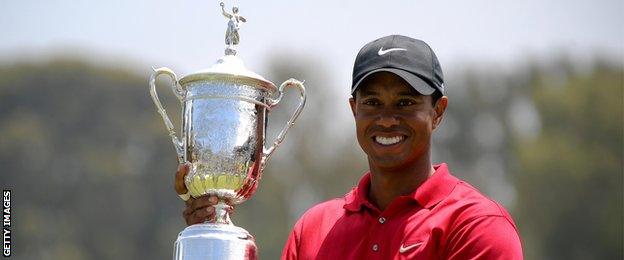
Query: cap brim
x=417, y=83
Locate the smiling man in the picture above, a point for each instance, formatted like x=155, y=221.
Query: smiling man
x=404, y=207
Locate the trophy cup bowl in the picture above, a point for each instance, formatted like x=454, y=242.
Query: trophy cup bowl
x=224, y=115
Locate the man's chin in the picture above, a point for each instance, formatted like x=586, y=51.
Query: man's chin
x=388, y=161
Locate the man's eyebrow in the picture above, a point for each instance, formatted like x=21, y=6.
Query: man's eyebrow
x=366, y=92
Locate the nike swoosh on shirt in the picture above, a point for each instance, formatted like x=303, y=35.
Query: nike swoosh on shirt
x=404, y=248
x=382, y=51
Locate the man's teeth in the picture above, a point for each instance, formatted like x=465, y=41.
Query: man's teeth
x=388, y=140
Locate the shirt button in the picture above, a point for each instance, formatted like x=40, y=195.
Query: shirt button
x=382, y=220
x=375, y=247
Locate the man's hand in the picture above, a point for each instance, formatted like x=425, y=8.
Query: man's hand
x=197, y=210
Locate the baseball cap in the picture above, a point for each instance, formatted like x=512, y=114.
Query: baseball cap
x=411, y=59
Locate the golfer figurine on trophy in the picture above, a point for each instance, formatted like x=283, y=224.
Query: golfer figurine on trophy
x=223, y=139
x=231, y=35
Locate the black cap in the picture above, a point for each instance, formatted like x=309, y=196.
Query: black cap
x=411, y=59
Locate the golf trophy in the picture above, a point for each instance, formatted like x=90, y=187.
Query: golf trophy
x=224, y=112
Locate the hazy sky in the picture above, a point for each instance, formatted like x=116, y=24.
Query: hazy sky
x=188, y=35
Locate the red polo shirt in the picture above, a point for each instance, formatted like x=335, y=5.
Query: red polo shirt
x=444, y=218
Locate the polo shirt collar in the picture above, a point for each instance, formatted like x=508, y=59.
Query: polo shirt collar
x=428, y=194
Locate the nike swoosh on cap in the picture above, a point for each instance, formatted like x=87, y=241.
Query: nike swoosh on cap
x=404, y=248
x=382, y=51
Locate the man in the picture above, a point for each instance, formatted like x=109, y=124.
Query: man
x=404, y=207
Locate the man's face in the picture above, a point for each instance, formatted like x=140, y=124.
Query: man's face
x=394, y=122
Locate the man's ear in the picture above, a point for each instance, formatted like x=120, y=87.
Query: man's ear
x=439, y=109
x=352, y=104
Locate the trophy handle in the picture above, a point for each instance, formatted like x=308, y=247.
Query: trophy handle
x=179, y=93
x=302, y=99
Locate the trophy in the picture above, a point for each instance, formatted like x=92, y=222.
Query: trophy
x=224, y=115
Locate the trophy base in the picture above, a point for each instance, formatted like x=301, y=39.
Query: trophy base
x=215, y=241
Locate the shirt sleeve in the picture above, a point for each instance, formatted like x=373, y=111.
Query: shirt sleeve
x=485, y=237
x=291, y=247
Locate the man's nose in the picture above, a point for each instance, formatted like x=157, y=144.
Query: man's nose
x=387, y=120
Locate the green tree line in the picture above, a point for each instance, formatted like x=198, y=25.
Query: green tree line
x=91, y=167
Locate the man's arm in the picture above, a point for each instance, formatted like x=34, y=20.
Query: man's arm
x=291, y=247
x=225, y=13
x=485, y=237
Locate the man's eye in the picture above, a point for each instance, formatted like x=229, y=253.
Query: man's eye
x=403, y=103
x=370, y=102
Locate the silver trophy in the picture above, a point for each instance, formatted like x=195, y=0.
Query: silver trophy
x=224, y=111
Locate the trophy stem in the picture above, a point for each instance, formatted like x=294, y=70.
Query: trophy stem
x=222, y=213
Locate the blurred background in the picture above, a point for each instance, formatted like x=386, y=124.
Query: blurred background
x=535, y=119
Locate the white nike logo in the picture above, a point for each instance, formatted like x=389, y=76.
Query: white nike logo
x=404, y=248
x=382, y=51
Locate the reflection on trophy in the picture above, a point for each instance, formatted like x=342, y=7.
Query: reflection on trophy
x=224, y=111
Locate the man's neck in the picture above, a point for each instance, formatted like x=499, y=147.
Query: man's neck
x=388, y=184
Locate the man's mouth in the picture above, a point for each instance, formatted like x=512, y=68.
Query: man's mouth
x=388, y=140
